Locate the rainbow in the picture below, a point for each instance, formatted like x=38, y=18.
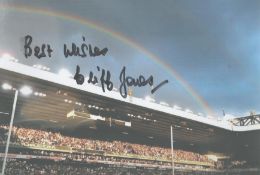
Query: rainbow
x=94, y=25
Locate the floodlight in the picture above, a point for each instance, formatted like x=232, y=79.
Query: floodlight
x=150, y=99
x=8, y=57
x=26, y=90
x=65, y=73
x=6, y=86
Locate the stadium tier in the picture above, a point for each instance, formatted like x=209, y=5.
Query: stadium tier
x=64, y=128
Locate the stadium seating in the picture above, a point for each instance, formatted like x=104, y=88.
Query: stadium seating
x=34, y=151
x=27, y=137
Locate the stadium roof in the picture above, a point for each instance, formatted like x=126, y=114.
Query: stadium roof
x=54, y=96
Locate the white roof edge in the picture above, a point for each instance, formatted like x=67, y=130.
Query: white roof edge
x=69, y=82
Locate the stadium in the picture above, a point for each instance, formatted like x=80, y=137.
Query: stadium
x=60, y=127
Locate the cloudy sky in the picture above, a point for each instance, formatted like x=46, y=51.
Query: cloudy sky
x=209, y=50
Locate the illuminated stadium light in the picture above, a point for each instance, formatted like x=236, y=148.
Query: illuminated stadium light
x=130, y=115
x=128, y=124
x=39, y=94
x=38, y=66
x=150, y=99
x=42, y=95
x=26, y=90
x=8, y=57
x=47, y=68
x=6, y=86
x=78, y=103
x=95, y=117
x=164, y=103
x=65, y=73
x=67, y=101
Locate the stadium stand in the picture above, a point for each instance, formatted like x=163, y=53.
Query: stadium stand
x=107, y=135
x=49, y=152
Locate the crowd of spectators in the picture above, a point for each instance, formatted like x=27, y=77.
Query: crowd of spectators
x=36, y=167
x=41, y=167
x=82, y=162
x=87, y=158
x=28, y=136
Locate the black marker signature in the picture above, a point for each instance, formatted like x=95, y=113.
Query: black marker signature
x=83, y=50
x=104, y=78
x=39, y=51
x=126, y=81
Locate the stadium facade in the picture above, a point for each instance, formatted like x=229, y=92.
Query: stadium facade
x=58, y=109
